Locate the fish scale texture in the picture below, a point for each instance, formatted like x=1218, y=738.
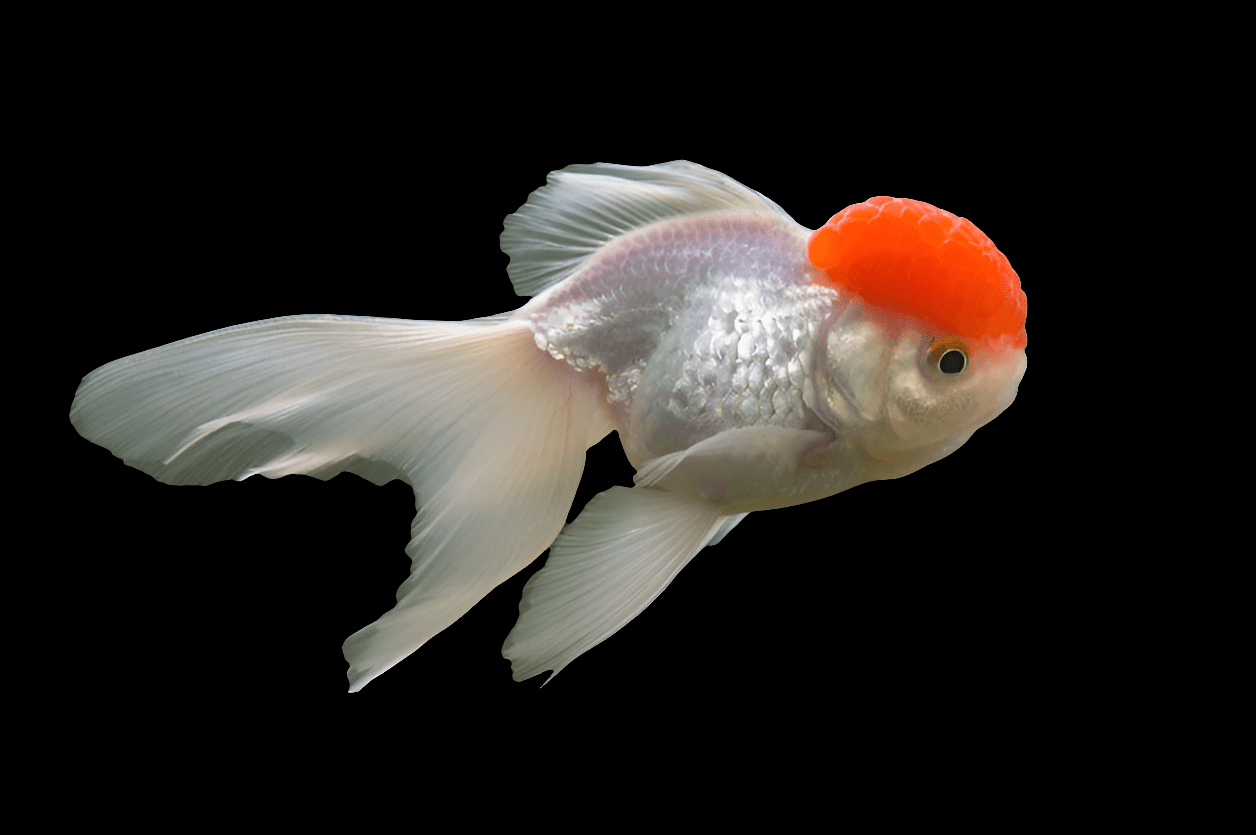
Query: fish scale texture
x=713, y=332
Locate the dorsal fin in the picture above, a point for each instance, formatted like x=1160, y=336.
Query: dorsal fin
x=583, y=207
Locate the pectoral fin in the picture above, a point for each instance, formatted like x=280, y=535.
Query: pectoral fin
x=752, y=468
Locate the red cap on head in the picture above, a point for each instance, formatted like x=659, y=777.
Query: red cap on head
x=910, y=257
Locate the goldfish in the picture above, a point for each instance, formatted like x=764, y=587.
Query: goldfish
x=746, y=362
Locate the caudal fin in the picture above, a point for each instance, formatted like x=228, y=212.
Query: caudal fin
x=488, y=430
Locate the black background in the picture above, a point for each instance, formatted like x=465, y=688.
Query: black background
x=206, y=198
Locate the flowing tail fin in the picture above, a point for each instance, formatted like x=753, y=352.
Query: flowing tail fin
x=489, y=431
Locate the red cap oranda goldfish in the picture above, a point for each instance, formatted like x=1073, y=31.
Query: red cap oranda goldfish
x=746, y=362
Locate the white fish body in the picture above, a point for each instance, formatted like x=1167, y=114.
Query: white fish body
x=671, y=304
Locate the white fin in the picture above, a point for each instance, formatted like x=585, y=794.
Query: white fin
x=489, y=431
x=740, y=468
x=583, y=207
x=603, y=570
x=726, y=528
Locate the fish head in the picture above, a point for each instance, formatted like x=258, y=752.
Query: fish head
x=926, y=342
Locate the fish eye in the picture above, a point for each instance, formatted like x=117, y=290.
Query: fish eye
x=949, y=355
x=952, y=362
